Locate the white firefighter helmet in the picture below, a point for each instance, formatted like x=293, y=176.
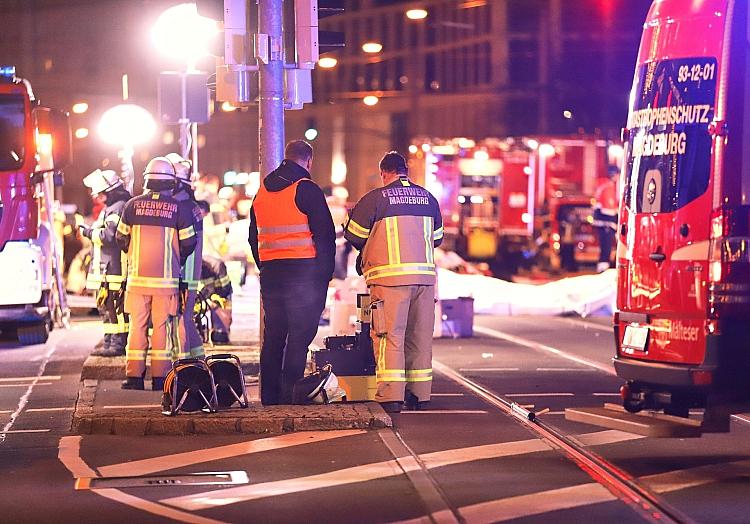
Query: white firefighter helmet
x=321, y=387
x=160, y=168
x=183, y=168
x=99, y=181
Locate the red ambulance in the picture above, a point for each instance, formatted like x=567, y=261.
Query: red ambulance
x=682, y=324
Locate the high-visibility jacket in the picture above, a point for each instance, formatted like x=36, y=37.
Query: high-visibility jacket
x=108, y=263
x=605, y=208
x=191, y=270
x=158, y=234
x=396, y=227
x=283, y=230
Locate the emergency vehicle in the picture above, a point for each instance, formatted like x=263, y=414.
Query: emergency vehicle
x=505, y=200
x=682, y=323
x=35, y=145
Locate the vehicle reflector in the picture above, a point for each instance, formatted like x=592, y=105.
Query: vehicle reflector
x=701, y=378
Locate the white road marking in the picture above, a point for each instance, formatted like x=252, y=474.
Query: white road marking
x=180, y=460
x=25, y=397
x=30, y=385
x=341, y=477
x=488, y=369
x=606, y=394
x=447, y=395
x=566, y=369
x=69, y=454
x=742, y=419
x=364, y=473
x=28, y=379
x=536, y=503
x=698, y=476
x=589, y=325
x=25, y=431
x=512, y=395
x=44, y=410
x=447, y=412
x=608, y=436
x=542, y=347
x=133, y=406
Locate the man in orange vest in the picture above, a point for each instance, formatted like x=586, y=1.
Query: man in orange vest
x=293, y=242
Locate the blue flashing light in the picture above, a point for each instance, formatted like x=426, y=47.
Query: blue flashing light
x=8, y=71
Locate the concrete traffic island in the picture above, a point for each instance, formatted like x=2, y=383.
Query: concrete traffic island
x=105, y=409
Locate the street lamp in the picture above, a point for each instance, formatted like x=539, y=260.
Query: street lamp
x=181, y=33
x=127, y=125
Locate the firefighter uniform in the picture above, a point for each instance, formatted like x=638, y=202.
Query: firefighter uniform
x=292, y=238
x=158, y=234
x=108, y=269
x=605, y=219
x=396, y=228
x=191, y=342
x=216, y=287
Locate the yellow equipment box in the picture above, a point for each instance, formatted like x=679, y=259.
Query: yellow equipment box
x=358, y=387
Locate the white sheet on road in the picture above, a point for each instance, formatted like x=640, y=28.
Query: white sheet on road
x=584, y=295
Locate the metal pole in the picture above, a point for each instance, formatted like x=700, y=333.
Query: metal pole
x=270, y=98
x=271, y=95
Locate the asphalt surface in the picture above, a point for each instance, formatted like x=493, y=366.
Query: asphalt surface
x=463, y=460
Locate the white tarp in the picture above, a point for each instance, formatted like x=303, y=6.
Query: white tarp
x=584, y=295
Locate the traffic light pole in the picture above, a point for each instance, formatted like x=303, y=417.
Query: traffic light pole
x=270, y=96
x=271, y=93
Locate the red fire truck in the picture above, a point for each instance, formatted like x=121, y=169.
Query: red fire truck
x=505, y=199
x=34, y=146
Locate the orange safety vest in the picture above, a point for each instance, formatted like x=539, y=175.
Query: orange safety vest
x=283, y=230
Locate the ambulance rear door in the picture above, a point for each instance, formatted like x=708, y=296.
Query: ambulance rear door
x=663, y=237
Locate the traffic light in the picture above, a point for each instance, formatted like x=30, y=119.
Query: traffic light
x=303, y=42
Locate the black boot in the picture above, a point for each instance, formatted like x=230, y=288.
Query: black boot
x=104, y=351
x=133, y=383
x=117, y=344
x=157, y=383
x=412, y=402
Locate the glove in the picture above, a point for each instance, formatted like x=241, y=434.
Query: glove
x=85, y=230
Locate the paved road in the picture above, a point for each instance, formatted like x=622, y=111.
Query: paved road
x=462, y=461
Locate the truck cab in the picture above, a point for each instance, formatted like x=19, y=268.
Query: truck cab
x=682, y=323
x=34, y=147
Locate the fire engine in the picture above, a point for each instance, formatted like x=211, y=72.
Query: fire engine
x=35, y=145
x=506, y=200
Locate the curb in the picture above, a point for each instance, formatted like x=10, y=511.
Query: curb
x=255, y=420
x=113, y=368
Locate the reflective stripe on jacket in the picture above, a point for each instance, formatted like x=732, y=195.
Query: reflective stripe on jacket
x=283, y=230
x=191, y=270
x=158, y=234
x=397, y=228
x=108, y=263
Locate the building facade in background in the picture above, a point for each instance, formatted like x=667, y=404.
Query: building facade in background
x=473, y=68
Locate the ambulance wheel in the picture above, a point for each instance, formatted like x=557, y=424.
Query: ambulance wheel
x=633, y=406
x=31, y=334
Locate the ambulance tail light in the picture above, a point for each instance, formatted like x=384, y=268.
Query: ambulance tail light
x=729, y=263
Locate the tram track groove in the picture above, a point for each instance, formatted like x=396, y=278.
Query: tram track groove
x=639, y=498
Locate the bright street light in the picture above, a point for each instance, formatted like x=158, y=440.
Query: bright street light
x=372, y=47
x=370, y=100
x=327, y=62
x=82, y=132
x=80, y=107
x=416, y=14
x=127, y=125
x=227, y=106
x=180, y=32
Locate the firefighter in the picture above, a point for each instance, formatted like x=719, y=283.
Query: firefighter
x=292, y=238
x=191, y=343
x=396, y=229
x=216, y=288
x=605, y=218
x=108, y=269
x=158, y=234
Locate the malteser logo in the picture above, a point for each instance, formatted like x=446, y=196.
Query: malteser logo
x=679, y=331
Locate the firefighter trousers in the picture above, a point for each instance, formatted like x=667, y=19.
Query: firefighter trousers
x=115, y=320
x=162, y=310
x=191, y=343
x=403, y=318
